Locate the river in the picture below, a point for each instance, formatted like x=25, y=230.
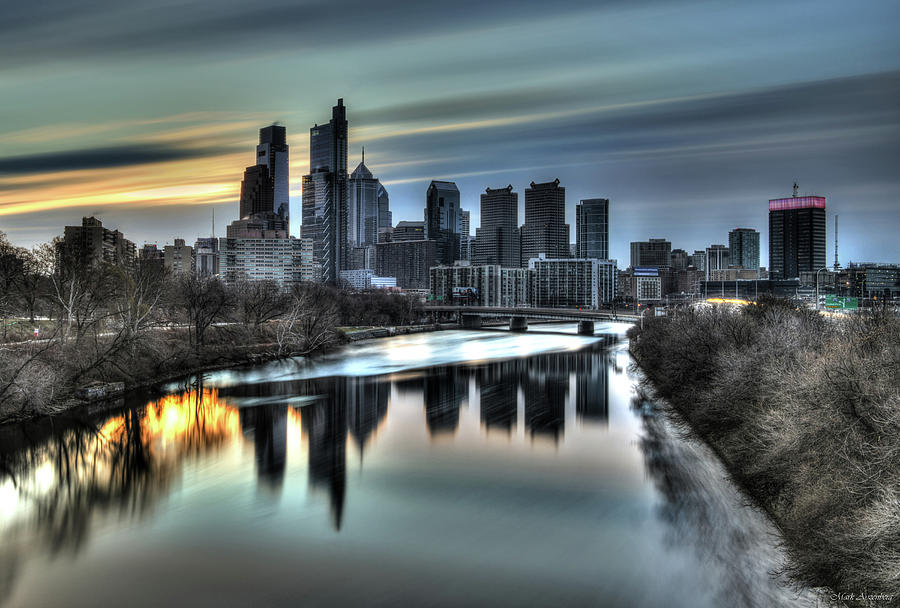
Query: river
x=455, y=468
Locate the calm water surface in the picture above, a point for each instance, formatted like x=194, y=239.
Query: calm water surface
x=452, y=468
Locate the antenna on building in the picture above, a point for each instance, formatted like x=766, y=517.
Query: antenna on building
x=364, y=155
x=796, y=188
x=213, y=233
x=837, y=266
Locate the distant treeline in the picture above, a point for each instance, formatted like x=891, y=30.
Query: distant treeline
x=103, y=322
x=805, y=413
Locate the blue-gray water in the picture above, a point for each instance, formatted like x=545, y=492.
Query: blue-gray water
x=452, y=468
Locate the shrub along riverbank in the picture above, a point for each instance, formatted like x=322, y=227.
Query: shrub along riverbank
x=805, y=413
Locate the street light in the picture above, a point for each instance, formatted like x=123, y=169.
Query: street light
x=817, y=284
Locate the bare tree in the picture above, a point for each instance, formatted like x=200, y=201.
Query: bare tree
x=308, y=325
x=257, y=302
x=203, y=300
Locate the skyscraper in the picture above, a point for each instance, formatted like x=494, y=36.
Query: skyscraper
x=545, y=230
x=718, y=257
x=325, y=194
x=743, y=244
x=257, y=192
x=464, y=235
x=592, y=228
x=796, y=235
x=443, y=220
x=497, y=240
x=272, y=153
x=367, y=207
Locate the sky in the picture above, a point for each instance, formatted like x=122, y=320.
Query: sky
x=688, y=115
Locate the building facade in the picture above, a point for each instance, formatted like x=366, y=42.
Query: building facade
x=545, y=230
x=465, y=284
x=273, y=153
x=206, y=256
x=718, y=257
x=592, y=228
x=325, y=194
x=94, y=244
x=654, y=252
x=497, y=240
x=443, y=220
x=565, y=282
x=368, y=207
x=743, y=245
x=407, y=261
x=796, y=235
x=179, y=258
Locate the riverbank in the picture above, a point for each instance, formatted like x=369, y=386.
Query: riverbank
x=805, y=414
x=222, y=352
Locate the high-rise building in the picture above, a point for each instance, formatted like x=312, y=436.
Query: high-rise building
x=497, y=240
x=206, y=256
x=718, y=257
x=368, y=207
x=545, y=230
x=443, y=220
x=408, y=231
x=257, y=192
x=698, y=259
x=325, y=210
x=407, y=261
x=592, y=228
x=479, y=285
x=179, y=258
x=93, y=244
x=796, y=235
x=272, y=153
x=464, y=235
x=655, y=252
x=679, y=259
x=743, y=245
x=565, y=283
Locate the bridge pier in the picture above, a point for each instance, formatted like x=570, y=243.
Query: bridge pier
x=518, y=324
x=470, y=321
x=585, y=328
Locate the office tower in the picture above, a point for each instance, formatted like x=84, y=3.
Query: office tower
x=515, y=287
x=179, y=258
x=257, y=191
x=464, y=235
x=272, y=153
x=443, y=220
x=407, y=261
x=718, y=257
x=408, y=231
x=368, y=204
x=698, y=259
x=592, y=228
x=325, y=194
x=796, y=235
x=545, y=230
x=91, y=244
x=385, y=217
x=655, y=252
x=206, y=256
x=743, y=245
x=497, y=240
x=679, y=259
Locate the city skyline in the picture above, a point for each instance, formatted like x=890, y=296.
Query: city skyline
x=686, y=149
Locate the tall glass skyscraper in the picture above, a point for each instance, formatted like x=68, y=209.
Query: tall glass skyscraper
x=592, y=228
x=443, y=220
x=796, y=235
x=368, y=207
x=272, y=153
x=325, y=213
x=743, y=244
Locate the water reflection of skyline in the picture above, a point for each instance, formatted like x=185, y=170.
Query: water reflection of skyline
x=65, y=473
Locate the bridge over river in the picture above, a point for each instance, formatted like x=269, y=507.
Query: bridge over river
x=470, y=316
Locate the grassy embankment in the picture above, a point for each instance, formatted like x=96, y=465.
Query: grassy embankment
x=805, y=413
